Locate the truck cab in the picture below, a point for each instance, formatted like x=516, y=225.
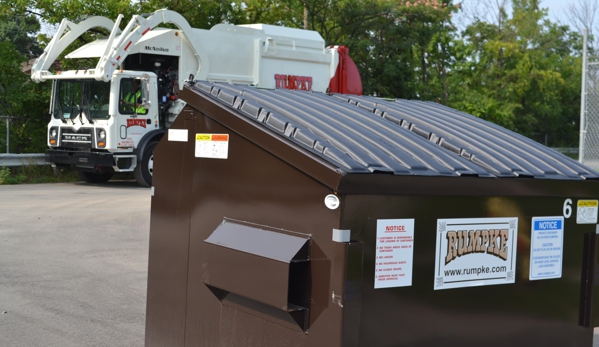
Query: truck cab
x=97, y=126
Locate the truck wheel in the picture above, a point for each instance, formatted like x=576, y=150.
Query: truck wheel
x=92, y=177
x=145, y=166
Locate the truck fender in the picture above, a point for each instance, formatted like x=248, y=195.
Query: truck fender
x=154, y=135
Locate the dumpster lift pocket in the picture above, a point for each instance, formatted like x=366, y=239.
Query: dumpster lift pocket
x=269, y=267
x=589, y=256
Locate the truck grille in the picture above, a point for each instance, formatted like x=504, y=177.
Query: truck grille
x=70, y=137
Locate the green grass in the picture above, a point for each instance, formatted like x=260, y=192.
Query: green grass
x=45, y=174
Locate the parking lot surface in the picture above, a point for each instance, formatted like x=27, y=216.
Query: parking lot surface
x=73, y=264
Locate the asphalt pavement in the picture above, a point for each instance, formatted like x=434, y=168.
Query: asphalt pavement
x=73, y=264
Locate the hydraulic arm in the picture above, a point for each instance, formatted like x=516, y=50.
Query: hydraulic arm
x=136, y=29
x=67, y=33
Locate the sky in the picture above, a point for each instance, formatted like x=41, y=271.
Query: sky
x=477, y=9
x=557, y=8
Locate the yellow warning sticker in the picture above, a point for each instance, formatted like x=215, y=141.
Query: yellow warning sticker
x=215, y=146
x=588, y=203
x=586, y=213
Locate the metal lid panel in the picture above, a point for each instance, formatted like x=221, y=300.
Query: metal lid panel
x=369, y=135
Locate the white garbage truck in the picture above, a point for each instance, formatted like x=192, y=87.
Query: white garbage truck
x=109, y=118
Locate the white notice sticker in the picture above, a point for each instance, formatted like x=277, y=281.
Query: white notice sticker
x=214, y=146
x=586, y=213
x=394, y=253
x=179, y=135
x=475, y=252
x=546, y=248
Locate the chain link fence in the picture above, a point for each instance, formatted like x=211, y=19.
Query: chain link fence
x=589, y=115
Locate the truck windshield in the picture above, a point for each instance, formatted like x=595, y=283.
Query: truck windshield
x=88, y=98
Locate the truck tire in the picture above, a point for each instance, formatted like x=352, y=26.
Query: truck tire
x=145, y=166
x=93, y=177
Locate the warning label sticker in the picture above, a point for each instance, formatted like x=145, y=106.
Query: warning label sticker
x=546, y=248
x=214, y=146
x=475, y=252
x=394, y=253
x=586, y=212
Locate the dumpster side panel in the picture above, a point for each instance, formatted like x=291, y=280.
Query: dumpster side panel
x=523, y=313
x=169, y=241
x=255, y=186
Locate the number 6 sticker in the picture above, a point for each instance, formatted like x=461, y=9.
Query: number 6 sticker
x=567, y=208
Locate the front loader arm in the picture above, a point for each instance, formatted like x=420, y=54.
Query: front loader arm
x=66, y=34
x=138, y=27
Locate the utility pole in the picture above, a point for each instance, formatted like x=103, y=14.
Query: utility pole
x=583, y=96
x=305, y=14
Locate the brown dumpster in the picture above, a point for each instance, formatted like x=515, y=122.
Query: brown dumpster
x=291, y=218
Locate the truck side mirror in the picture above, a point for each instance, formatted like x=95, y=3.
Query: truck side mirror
x=145, y=92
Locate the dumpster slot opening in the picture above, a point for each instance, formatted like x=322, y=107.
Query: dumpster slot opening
x=297, y=319
x=269, y=267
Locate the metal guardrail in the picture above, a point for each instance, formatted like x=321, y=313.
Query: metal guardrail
x=17, y=160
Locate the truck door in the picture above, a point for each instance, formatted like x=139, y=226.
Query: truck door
x=134, y=120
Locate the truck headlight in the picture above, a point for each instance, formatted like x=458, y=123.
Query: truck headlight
x=101, y=138
x=53, y=136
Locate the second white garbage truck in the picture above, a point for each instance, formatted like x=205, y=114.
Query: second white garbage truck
x=109, y=118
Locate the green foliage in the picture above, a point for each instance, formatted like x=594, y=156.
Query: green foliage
x=202, y=14
x=404, y=52
x=4, y=175
x=36, y=174
x=20, y=30
x=522, y=73
x=19, y=96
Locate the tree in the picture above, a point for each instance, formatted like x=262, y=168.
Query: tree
x=21, y=31
x=581, y=15
x=522, y=73
x=202, y=14
x=19, y=96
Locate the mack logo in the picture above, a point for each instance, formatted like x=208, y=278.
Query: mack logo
x=138, y=122
x=293, y=82
x=75, y=138
x=156, y=49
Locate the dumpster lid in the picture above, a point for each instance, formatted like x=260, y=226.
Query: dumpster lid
x=361, y=134
x=501, y=151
